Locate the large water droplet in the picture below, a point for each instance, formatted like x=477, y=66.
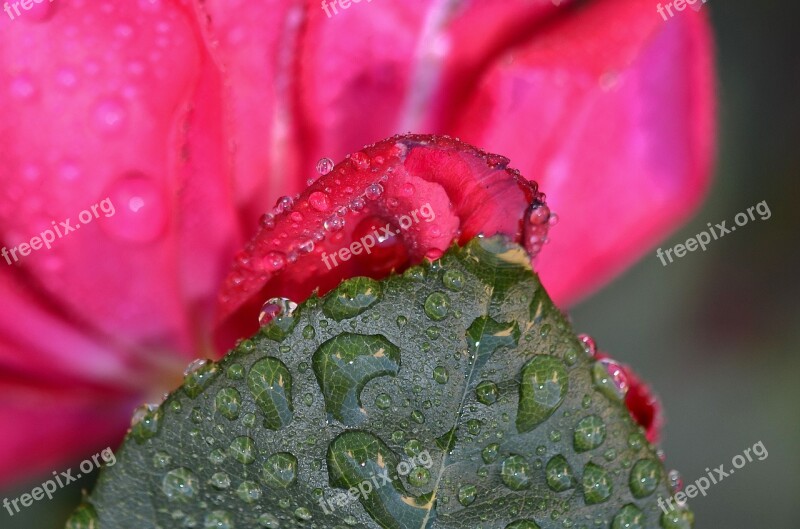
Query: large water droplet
x=275, y=307
x=280, y=470
x=543, y=389
x=180, y=485
x=644, y=478
x=270, y=383
x=589, y=433
x=197, y=376
x=373, y=191
x=515, y=473
x=243, y=449
x=610, y=381
x=324, y=166
x=486, y=392
x=596, y=484
x=249, y=492
x=629, y=517
x=490, y=452
x=351, y=298
x=437, y=306
x=344, y=364
x=145, y=422
x=467, y=495
x=559, y=474
x=139, y=210
x=220, y=481
x=534, y=232
x=228, y=402
x=440, y=374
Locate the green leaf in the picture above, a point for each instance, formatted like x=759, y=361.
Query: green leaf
x=453, y=396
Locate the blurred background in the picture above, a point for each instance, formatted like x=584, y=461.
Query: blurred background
x=715, y=333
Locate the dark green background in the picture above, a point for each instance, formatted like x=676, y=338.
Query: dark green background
x=716, y=334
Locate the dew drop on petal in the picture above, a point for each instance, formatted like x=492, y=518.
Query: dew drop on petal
x=319, y=201
x=324, y=166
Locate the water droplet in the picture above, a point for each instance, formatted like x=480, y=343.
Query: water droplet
x=228, y=402
x=276, y=307
x=361, y=160
x=273, y=261
x=559, y=474
x=474, y=426
x=306, y=247
x=280, y=470
x=145, y=422
x=268, y=521
x=515, y=473
x=419, y=477
x=467, y=495
x=109, y=116
x=496, y=161
x=401, y=321
x=334, y=224
x=490, y=452
x=418, y=417
x=636, y=440
x=373, y=191
x=351, y=298
x=249, y=492
x=284, y=204
x=675, y=481
x=179, y=485
x=161, y=459
x=487, y=392
x=319, y=201
x=534, y=232
x=677, y=519
x=644, y=478
x=235, y=371
x=324, y=166
x=614, y=386
x=543, y=389
x=243, y=449
x=437, y=306
x=197, y=376
x=357, y=204
x=267, y=221
x=440, y=374
x=220, y=481
x=596, y=484
x=589, y=345
x=140, y=209
x=383, y=401
x=589, y=433
x=218, y=520
x=217, y=456
x=629, y=517
x=453, y=280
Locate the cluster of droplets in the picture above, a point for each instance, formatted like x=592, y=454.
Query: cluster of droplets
x=537, y=223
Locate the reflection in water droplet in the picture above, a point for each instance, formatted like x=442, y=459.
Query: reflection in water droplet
x=490, y=452
x=268, y=521
x=218, y=520
x=629, y=517
x=596, y=484
x=139, y=213
x=220, y=481
x=280, y=470
x=249, y=492
x=179, y=485
x=467, y=495
x=486, y=392
x=243, y=449
x=373, y=191
x=589, y=433
x=515, y=473
x=437, y=306
x=644, y=478
x=275, y=307
x=324, y=166
x=559, y=474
